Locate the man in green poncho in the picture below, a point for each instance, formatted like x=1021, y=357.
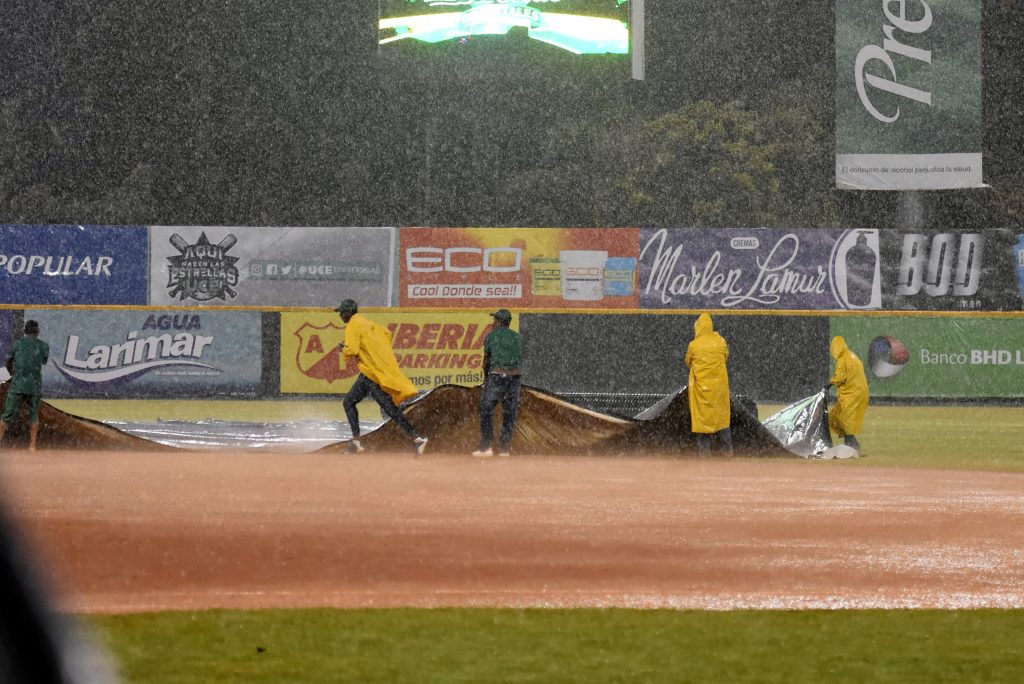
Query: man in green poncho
x=25, y=363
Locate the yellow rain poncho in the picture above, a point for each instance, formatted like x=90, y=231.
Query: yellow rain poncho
x=847, y=416
x=709, y=380
x=371, y=343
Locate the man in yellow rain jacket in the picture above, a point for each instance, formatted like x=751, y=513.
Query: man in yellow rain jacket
x=709, y=386
x=379, y=374
x=846, y=417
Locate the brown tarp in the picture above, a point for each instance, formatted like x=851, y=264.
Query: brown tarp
x=63, y=431
x=450, y=416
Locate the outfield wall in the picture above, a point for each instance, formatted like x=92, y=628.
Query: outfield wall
x=202, y=312
x=150, y=353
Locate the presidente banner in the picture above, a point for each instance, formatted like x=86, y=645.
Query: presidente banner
x=432, y=349
x=151, y=353
x=73, y=264
x=937, y=357
x=908, y=94
x=256, y=266
x=820, y=269
x=575, y=268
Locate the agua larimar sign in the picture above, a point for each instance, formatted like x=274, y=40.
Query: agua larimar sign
x=908, y=94
x=151, y=353
x=760, y=269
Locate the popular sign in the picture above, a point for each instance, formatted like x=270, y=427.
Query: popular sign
x=73, y=264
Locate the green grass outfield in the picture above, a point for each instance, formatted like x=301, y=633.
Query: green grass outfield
x=482, y=645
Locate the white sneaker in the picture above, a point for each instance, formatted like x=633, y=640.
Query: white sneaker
x=421, y=445
x=483, y=453
x=354, y=447
x=504, y=454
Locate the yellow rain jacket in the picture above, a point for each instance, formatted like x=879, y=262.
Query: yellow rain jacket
x=847, y=416
x=709, y=380
x=371, y=343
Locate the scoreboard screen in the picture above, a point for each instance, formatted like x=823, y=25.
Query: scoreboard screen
x=581, y=27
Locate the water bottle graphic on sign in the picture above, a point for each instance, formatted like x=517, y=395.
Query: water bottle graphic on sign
x=1018, y=255
x=860, y=272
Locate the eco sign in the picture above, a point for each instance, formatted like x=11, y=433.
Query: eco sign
x=516, y=268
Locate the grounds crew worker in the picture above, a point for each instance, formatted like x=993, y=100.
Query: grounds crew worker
x=25, y=363
x=379, y=374
x=708, y=389
x=846, y=417
x=503, y=353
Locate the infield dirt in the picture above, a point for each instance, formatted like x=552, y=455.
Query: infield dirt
x=143, y=531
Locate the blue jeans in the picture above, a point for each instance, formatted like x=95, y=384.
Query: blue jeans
x=363, y=387
x=723, y=437
x=506, y=389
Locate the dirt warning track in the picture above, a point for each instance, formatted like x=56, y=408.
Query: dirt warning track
x=125, y=532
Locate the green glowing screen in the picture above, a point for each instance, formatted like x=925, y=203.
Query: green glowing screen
x=582, y=27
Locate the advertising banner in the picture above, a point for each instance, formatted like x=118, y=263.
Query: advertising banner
x=935, y=270
x=953, y=270
x=908, y=94
x=432, y=349
x=150, y=353
x=254, y=266
x=940, y=357
x=73, y=264
x=519, y=267
x=688, y=268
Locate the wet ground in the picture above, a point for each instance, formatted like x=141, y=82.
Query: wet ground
x=140, y=531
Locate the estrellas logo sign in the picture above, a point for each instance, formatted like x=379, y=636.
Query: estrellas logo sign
x=202, y=271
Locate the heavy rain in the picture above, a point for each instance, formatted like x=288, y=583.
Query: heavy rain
x=737, y=287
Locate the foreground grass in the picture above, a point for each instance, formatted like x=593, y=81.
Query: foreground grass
x=484, y=645
x=956, y=437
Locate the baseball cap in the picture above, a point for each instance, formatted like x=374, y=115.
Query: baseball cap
x=503, y=315
x=347, y=306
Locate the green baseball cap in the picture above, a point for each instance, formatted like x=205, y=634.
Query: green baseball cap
x=347, y=306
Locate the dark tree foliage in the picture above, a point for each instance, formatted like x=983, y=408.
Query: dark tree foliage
x=258, y=112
